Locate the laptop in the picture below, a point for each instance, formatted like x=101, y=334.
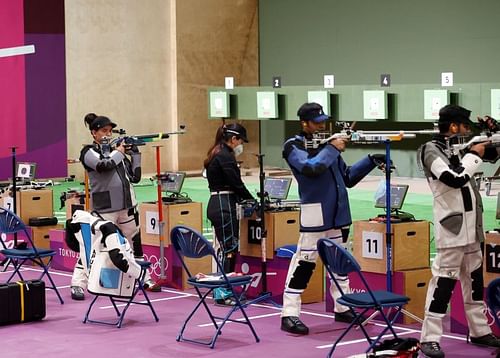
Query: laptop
x=277, y=188
x=171, y=182
x=398, y=195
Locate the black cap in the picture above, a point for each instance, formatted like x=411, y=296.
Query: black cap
x=100, y=122
x=312, y=112
x=236, y=129
x=451, y=113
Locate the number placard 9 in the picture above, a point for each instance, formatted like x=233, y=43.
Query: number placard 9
x=152, y=223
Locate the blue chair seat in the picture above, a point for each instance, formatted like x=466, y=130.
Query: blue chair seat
x=364, y=299
x=237, y=280
x=29, y=252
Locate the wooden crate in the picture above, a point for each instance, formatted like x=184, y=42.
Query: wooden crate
x=187, y=214
x=34, y=203
x=491, y=266
x=282, y=229
x=410, y=245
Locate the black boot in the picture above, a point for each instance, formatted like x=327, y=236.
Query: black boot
x=293, y=324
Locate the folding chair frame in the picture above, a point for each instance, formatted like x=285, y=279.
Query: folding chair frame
x=128, y=301
x=10, y=223
x=329, y=252
x=199, y=249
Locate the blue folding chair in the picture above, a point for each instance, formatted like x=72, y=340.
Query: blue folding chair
x=339, y=261
x=10, y=223
x=127, y=300
x=189, y=243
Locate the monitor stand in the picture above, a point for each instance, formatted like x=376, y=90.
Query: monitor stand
x=399, y=216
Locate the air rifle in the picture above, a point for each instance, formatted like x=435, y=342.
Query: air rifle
x=348, y=133
x=490, y=132
x=139, y=140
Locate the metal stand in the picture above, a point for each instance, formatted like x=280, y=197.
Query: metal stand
x=264, y=295
x=388, y=232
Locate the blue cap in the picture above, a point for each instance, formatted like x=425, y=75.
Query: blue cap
x=312, y=112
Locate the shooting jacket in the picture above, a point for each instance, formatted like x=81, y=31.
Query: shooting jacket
x=105, y=254
x=323, y=179
x=458, y=207
x=110, y=177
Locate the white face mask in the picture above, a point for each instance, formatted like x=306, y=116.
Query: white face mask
x=238, y=150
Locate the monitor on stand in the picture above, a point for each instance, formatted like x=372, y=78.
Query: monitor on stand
x=398, y=195
x=277, y=188
x=171, y=183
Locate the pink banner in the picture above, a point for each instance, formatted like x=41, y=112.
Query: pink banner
x=12, y=84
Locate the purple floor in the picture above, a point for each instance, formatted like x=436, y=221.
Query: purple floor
x=62, y=333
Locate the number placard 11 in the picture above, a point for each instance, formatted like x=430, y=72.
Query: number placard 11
x=372, y=245
x=152, y=223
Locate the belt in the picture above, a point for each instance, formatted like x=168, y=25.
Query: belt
x=221, y=192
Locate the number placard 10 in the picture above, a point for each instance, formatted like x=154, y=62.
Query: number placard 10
x=372, y=245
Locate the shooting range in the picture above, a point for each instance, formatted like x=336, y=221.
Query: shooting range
x=168, y=74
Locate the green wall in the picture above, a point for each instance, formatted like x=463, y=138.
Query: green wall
x=358, y=40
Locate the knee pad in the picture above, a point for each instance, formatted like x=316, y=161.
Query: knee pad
x=477, y=284
x=442, y=295
x=302, y=275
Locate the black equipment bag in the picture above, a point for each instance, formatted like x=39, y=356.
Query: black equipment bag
x=22, y=301
x=42, y=221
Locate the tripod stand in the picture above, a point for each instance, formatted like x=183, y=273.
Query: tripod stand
x=264, y=295
x=388, y=231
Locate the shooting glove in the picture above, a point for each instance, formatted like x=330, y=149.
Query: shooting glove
x=377, y=159
x=131, y=149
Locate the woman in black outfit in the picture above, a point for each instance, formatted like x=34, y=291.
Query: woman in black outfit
x=226, y=189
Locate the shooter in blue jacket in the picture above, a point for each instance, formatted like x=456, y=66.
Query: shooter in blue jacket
x=323, y=178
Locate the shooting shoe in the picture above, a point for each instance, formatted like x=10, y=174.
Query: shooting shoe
x=431, y=349
x=293, y=324
x=488, y=340
x=346, y=317
x=152, y=286
x=77, y=293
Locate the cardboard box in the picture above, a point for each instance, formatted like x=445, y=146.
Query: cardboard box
x=410, y=245
x=282, y=229
x=491, y=265
x=411, y=283
x=34, y=203
x=277, y=270
x=187, y=214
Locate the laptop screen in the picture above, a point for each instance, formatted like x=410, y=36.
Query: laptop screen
x=398, y=194
x=277, y=188
x=171, y=182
